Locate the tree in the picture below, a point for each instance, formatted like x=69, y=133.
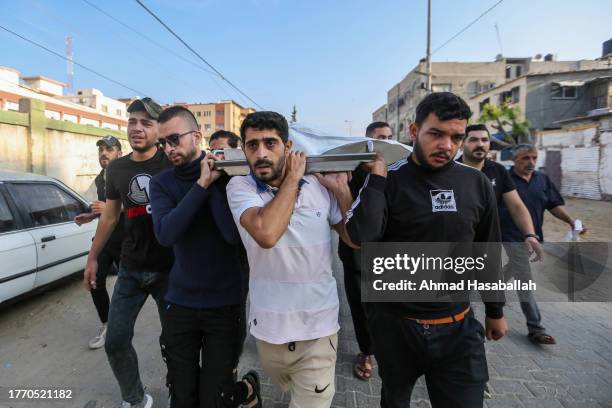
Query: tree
x=508, y=120
x=294, y=115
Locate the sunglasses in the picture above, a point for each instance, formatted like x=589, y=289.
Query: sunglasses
x=173, y=139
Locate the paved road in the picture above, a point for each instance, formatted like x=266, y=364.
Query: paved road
x=43, y=344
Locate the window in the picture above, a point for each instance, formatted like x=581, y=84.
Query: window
x=511, y=96
x=118, y=112
x=47, y=204
x=11, y=106
x=519, y=70
x=207, y=113
x=562, y=92
x=198, y=114
x=515, y=94
x=441, y=87
x=105, y=108
x=599, y=96
x=482, y=104
x=207, y=126
x=219, y=126
x=508, y=72
x=7, y=221
x=219, y=113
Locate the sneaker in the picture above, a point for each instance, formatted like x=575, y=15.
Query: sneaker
x=147, y=402
x=487, y=392
x=98, y=341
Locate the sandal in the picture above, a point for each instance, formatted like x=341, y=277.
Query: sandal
x=541, y=338
x=363, y=367
x=253, y=379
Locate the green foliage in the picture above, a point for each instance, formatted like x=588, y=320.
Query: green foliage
x=508, y=120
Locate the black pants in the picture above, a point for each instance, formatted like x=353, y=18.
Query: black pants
x=451, y=356
x=108, y=260
x=215, y=336
x=352, y=286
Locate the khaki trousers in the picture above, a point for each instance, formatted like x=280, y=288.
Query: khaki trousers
x=305, y=368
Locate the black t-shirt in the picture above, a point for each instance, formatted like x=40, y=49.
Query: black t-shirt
x=499, y=177
x=128, y=180
x=114, y=242
x=347, y=254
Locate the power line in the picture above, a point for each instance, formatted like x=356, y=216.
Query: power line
x=466, y=27
x=157, y=44
x=137, y=92
x=197, y=54
x=152, y=41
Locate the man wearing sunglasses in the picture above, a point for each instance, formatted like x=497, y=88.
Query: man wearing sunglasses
x=207, y=285
x=144, y=262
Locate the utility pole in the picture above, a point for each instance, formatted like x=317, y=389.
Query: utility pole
x=69, y=67
x=499, y=41
x=428, y=46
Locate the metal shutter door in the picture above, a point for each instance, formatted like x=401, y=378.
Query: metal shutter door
x=580, y=167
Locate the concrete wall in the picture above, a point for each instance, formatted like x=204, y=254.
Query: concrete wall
x=541, y=110
x=13, y=151
x=536, y=102
x=31, y=142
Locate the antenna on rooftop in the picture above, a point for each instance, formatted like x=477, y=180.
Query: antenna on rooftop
x=69, y=67
x=499, y=41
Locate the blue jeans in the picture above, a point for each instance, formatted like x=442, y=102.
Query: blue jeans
x=131, y=291
x=518, y=267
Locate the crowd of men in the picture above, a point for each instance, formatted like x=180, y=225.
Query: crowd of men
x=202, y=243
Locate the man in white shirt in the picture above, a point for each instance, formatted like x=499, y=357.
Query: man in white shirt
x=284, y=220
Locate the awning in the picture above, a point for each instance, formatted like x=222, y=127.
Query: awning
x=569, y=83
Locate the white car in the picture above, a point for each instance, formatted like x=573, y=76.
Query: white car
x=39, y=241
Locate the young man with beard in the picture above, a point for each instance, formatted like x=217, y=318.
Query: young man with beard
x=476, y=146
x=350, y=258
x=442, y=341
x=109, y=149
x=144, y=262
x=284, y=220
x=206, y=297
x=538, y=193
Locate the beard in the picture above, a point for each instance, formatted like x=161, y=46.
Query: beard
x=179, y=159
x=420, y=155
x=275, y=173
x=142, y=149
x=472, y=155
x=103, y=161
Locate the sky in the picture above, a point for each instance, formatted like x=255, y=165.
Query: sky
x=334, y=60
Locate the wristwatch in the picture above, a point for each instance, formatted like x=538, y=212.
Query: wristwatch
x=531, y=236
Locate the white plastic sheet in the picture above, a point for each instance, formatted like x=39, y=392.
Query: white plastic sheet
x=315, y=141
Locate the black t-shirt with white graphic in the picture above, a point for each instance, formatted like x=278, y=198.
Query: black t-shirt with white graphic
x=128, y=180
x=499, y=177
